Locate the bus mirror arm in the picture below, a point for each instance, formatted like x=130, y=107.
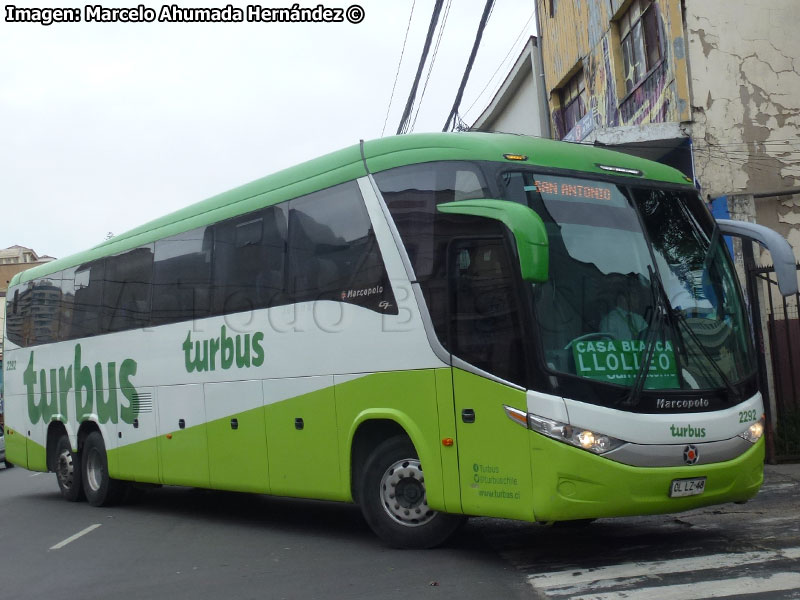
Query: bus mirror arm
x=781, y=251
x=526, y=226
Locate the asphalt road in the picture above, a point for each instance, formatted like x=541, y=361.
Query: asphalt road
x=747, y=550
x=183, y=543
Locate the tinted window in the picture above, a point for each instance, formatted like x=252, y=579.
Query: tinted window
x=236, y=265
x=45, y=310
x=182, y=276
x=18, y=323
x=333, y=251
x=82, y=289
x=412, y=193
x=249, y=256
x=485, y=323
x=126, y=293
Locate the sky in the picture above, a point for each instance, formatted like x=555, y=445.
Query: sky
x=105, y=126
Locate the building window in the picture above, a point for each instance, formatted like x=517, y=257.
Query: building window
x=641, y=44
x=573, y=101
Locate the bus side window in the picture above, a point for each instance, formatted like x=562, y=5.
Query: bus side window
x=333, y=253
x=485, y=323
x=45, y=312
x=17, y=315
x=182, y=277
x=82, y=289
x=127, y=289
x=249, y=254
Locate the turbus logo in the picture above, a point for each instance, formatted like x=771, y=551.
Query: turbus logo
x=691, y=455
x=687, y=431
x=48, y=390
x=223, y=351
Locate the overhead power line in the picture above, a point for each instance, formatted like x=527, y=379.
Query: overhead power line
x=500, y=66
x=400, y=62
x=412, y=95
x=432, y=62
x=481, y=26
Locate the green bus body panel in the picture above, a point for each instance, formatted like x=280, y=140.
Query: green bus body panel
x=390, y=152
x=36, y=455
x=347, y=164
x=493, y=452
x=135, y=462
x=268, y=454
x=570, y=483
x=183, y=457
x=447, y=429
x=16, y=448
x=237, y=458
x=409, y=398
x=304, y=462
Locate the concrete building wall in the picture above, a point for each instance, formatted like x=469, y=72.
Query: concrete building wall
x=517, y=115
x=518, y=105
x=745, y=81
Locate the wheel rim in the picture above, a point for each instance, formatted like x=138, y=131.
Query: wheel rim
x=94, y=470
x=403, y=494
x=65, y=469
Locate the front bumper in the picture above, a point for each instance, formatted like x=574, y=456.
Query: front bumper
x=569, y=483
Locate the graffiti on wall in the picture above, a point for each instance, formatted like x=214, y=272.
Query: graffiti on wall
x=653, y=100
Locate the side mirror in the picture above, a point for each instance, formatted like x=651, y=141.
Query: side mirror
x=782, y=254
x=526, y=226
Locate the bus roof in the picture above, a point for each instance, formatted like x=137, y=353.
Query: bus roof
x=347, y=164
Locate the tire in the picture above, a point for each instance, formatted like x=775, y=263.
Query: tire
x=402, y=520
x=99, y=488
x=8, y=464
x=68, y=471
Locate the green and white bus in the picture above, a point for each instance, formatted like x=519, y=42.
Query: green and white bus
x=431, y=326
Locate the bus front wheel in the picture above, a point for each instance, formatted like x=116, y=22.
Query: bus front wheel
x=99, y=488
x=68, y=470
x=394, y=499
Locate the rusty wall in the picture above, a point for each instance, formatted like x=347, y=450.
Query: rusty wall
x=581, y=33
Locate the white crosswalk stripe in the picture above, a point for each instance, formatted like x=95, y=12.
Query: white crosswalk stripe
x=717, y=576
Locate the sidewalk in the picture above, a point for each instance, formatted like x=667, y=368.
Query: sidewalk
x=789, y=472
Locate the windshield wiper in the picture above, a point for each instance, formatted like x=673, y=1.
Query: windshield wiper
x=662, y=314
x=659, y=316
x=681, y=319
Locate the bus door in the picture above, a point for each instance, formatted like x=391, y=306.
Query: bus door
x=486, y=332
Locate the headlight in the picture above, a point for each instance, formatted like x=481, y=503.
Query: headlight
x=753, y=433
x=586, y=439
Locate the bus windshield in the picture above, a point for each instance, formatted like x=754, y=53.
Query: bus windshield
x=636, y=273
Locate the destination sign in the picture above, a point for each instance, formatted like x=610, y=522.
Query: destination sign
x=571, y=188
x=618, y=361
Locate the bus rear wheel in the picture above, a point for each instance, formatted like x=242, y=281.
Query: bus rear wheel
x=68, y=470
x=394, y=499
x=99, y=488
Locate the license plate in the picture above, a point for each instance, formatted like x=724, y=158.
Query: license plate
x=687, y=487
